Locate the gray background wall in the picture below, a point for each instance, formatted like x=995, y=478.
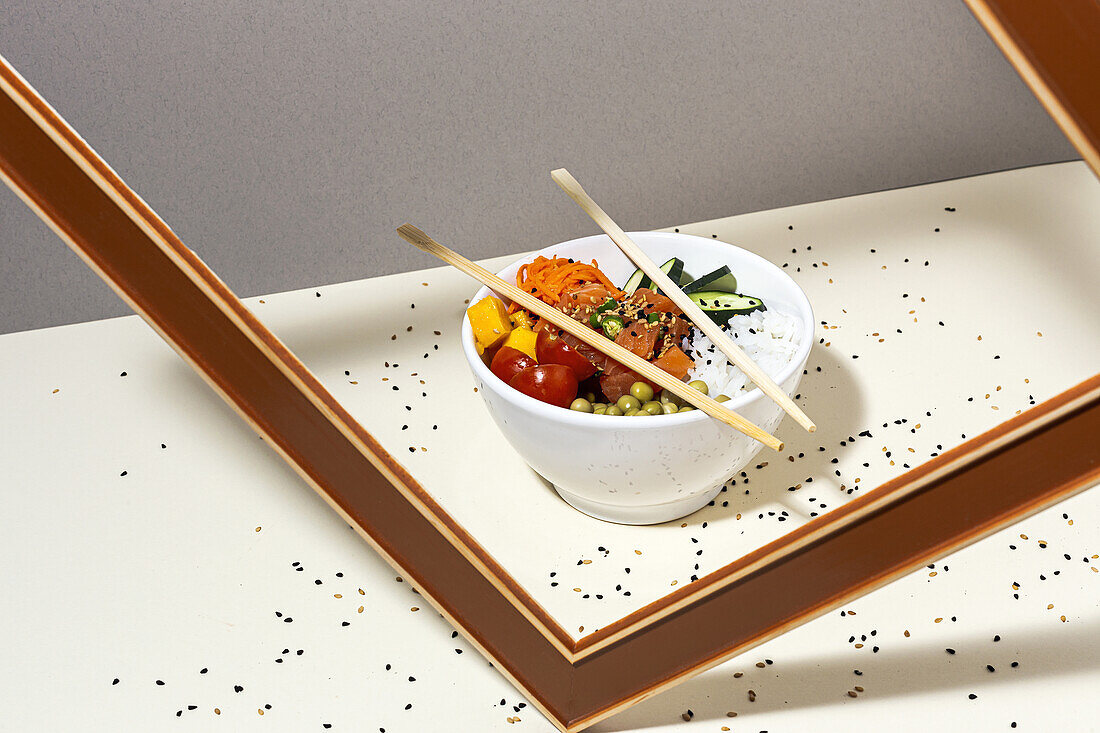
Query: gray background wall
x=284, y=141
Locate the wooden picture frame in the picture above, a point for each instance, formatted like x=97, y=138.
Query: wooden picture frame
x=944, y=504
x=1054, y=48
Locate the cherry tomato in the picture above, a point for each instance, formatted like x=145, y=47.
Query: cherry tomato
x=509, y=362
x=553, y=383
x=489, y=353
x=551, y=349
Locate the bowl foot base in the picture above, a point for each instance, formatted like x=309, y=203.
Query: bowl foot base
x=643, y=514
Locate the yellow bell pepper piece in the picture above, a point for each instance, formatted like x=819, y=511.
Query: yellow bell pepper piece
x=522, y=339
x=489, y=319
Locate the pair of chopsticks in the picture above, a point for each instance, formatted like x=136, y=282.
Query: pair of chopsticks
x=628, y=359
x=701, y=320
x=654, y=374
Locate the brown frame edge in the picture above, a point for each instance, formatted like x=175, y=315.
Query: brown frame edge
x=103, y=221
x=834, y=558
x=1055, y=48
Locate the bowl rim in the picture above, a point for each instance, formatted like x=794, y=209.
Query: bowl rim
x=583, y=419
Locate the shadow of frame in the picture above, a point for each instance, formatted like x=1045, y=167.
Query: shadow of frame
x=824, y=681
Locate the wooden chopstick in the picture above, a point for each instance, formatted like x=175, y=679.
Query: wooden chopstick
x=654, y=374
x=702, y=321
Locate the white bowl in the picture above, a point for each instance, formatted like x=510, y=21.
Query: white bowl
x=643, y=471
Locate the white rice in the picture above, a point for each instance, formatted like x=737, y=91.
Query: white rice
x=770, y=338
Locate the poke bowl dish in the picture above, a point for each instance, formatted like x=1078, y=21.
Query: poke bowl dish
x=572, y=412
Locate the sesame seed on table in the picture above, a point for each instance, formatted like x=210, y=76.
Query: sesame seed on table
x=209, y=582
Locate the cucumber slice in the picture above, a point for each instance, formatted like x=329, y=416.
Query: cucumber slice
x=723, y=306
x=721, y=280
x=674, y=268
x=634, y=282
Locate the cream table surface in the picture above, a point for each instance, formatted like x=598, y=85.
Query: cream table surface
x=150, y=538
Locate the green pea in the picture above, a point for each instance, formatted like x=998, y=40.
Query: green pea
x=641, y=391
x=669, y=409
x=627, y=402
x=722, y=398
x=653, y=408
x=641, y=413
x=581, y=405
x=590, y=396
x=686, y=408
x=670, y=398
x=699, y=385
x=614, y=410
x=599, y=408
x=632, y=412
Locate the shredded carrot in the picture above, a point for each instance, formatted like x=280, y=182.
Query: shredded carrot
x=550, y=278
